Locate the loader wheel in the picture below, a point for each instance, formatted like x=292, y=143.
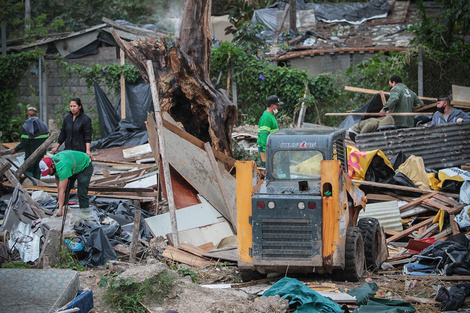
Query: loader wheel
x=354, y=257
x=370, y=229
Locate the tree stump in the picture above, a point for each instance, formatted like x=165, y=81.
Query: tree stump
x=182, y=76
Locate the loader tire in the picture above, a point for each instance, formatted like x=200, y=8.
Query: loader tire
x=370, y=229
x=354, y=257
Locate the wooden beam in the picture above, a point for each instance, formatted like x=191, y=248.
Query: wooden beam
x=373, y=92
x=377, y=114
x=40, y=150
x=416, y=202
x=135, y=235
x=166, y=165
x=279, y=27
x=223, y=191
x=123, y=86
x=398, y=187
x=411, y=229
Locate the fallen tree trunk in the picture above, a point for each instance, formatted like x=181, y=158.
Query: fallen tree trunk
x=182, y=76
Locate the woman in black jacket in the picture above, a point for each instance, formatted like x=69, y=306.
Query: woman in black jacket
x=76, y=129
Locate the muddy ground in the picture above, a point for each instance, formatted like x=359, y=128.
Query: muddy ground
x=189, y=297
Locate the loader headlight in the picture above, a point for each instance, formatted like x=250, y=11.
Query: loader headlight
x=301, y=205
x=271, y=205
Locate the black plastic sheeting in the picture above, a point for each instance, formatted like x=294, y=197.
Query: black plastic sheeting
x=97, y=247
x=353, y=13
x=373, y=106
x=132, y=130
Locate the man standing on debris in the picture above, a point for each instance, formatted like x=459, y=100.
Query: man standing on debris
x=401, y=100
x=68, y=166
x=267, y=125
x=33, y=134
x=447, y=114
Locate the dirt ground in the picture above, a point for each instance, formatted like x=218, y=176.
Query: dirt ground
x=189, y=297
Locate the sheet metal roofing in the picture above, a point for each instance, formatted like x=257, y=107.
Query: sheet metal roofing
x=440, y=146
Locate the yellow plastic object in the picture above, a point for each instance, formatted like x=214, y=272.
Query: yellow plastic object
x=439, y=218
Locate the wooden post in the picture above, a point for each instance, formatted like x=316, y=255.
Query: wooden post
x=382, y=96
x=135, y=235
x=293, y=15
x=123, y=87
x=161, y=141
x=279, y=27
x=40, y=150
x=220, y=181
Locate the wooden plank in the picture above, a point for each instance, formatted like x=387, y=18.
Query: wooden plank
x=416, y=201
x=232, y=210
x=228, y=255
x=207, y=246
x=461, y=95
x=193, y=164
x=199, y=143
x=373, y=92
x=380, y=197
x=377, y=114
x=40, y=150
x=397, y=187
x=411, y=229
x=164, y=156
x=447, y=200
x=184, y=257
x=136, y=151
x=135, y=235
x=192, y=249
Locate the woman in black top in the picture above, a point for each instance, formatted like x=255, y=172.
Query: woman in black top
x=76, y=129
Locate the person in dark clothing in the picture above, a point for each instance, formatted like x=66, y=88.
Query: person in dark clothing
x=76, y=129
x=33, y=134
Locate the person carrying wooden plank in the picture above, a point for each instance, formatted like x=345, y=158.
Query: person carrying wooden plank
x=34, y=133
x=401, y=99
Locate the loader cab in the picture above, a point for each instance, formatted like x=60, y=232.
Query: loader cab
x=296, y=154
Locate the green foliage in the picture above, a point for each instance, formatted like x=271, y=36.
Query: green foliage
x=12, y=70
x=442, y=33
x=109, y=74
x=258, y=79
x=126, y=295
x=189, y=272
x=250, y=38
x=16, y=265
x=241, y=12
x=67, y=259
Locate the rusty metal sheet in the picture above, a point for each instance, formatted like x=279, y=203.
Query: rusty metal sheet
x=440, y=146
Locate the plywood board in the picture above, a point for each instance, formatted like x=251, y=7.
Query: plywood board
x=194, y=165
x=194, y=216
x=136, y=151
x=201, y=235
x=461, y=95
x=175, y=254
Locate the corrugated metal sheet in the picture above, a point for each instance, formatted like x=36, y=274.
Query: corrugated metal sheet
x=388, y=214
x=440, y=146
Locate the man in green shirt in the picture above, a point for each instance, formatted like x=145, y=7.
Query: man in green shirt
x=267, y=125
x=69, y=166
x=401, y=100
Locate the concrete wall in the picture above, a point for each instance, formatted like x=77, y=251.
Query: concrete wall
x=57, y=89
x=328, y=63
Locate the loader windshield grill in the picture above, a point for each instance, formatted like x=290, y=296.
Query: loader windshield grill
x=286, y=238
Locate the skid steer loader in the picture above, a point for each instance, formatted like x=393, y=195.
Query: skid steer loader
x=303, y=217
